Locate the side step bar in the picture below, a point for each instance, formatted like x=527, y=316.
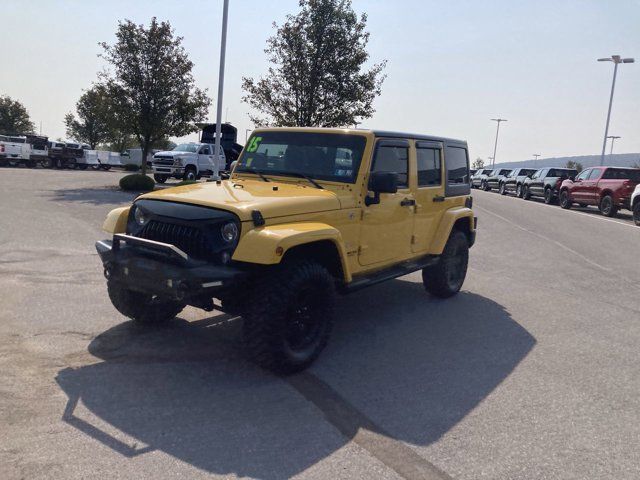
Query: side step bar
x=396, y=271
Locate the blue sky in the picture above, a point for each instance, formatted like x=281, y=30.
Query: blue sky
x=451, y=65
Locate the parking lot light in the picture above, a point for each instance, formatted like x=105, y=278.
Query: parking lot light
x=613, y=140
x=616, y=59
x=495, y=146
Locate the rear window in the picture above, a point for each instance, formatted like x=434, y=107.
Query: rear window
x=457, y=165
x=622, y=174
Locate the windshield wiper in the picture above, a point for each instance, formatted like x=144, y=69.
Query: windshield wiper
x=254, y=170
x=301, y=175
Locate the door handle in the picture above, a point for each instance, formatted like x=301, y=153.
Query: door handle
x=438, y=198
x=407, y=202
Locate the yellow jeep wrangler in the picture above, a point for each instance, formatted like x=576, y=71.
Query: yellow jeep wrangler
x=306, y=213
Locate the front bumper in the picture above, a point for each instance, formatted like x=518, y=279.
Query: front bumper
x=167, y=170
x=162, y=269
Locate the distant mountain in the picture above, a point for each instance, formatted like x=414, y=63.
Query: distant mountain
x=615, y=160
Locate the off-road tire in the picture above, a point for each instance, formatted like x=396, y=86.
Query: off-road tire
x=607, y=208
x=519, y=190
x=82, y=166
x=106, y=168
x=565, y=200
x=141, y=307
x=275, y=334
x=190, y=173
x=160, y=178
x=486, y=187
x=503, y=189
x=636, y=213
x=445, y=278
x=526, y=193
x=549, y=198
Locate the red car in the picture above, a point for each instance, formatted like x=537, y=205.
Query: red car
x=609, y=188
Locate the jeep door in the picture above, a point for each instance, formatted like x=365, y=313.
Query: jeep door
x=429, y=194
x=386, y=227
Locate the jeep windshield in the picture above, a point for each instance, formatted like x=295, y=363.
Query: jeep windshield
x=322, y=156
x=186, y=147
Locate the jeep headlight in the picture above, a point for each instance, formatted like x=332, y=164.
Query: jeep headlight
x=229, y=232
x=140, y=218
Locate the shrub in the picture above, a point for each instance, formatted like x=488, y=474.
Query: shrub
x=130, y=167
x=137, y=182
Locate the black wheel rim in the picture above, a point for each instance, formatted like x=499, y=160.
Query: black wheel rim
x=304, y=321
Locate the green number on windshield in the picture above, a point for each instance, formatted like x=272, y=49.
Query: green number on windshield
x=253, y=144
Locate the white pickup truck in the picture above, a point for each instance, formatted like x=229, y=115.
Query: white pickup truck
x=13, y=150
x=188, y=161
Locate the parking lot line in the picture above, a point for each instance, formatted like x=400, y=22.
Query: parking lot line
x=555, y=242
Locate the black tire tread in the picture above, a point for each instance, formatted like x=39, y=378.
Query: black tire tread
x=433, y=277
x=265, y=317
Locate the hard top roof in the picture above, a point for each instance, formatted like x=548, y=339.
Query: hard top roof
x=416, y=136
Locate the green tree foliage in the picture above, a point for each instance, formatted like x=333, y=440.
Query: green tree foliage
x=318, y=76
x=478, y=163
x=94, y=123
x=574, y=165
x=14, y=118
x=151, y=84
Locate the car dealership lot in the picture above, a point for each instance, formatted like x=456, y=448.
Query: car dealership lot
x=530, y=372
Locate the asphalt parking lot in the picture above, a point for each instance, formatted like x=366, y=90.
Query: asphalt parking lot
x=531, y=372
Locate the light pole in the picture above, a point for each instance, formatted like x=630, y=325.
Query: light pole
x=616, y=59
x=223, y=49
x=535, y=155
x=613, y=140
x=495, y=146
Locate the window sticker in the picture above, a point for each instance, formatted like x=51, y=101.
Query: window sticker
x=253, y=144
x=248, y=162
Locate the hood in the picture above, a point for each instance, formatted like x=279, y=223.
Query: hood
x=243, y=196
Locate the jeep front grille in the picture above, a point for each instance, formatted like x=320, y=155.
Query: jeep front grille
x=191, y=240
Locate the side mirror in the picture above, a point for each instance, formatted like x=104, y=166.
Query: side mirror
x=381, y=182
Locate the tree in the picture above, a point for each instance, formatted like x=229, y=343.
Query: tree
x=14, y=118
x=478, y=163
x=94, y=124
x=574, y=165
x=317, y=77
x=151, y=86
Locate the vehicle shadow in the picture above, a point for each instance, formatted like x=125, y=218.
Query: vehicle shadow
x=400, y=363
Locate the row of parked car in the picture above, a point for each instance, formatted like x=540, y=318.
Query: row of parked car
x=34, y=150
x=608, y=188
